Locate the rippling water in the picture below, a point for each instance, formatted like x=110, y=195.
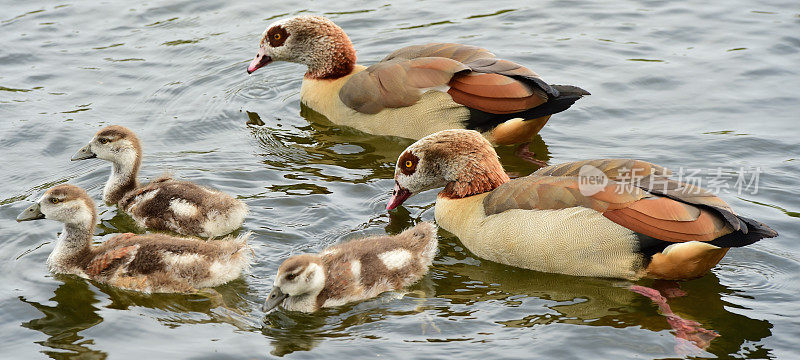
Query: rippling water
x=697, y=85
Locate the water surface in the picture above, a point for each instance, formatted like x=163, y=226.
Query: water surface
x=697, y=85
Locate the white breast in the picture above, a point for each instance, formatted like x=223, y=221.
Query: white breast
x=573, y=241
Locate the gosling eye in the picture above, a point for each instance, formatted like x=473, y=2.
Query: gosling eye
x=54, y=200
x=103, y=140
x=291, y=277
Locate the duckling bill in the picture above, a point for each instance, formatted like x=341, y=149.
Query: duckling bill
x=147, y=263
x=354, y=270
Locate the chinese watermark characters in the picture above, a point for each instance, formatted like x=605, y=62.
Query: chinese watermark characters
x=592, y=180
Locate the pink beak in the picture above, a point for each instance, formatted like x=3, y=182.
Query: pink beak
x=399, y=195
x=261, y=60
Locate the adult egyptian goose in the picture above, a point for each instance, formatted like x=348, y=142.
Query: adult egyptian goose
x=150, y=263
x=550, y=221
x=416, y=90
x=354, y=270
x=165, y=203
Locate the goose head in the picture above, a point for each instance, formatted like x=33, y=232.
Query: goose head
x=461, y=161
x=114, y=143
x=65, y=203
x=299, y=275
x=313, y=41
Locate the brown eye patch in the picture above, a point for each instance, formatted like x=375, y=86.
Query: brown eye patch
x=407, y=163
x=276, y=36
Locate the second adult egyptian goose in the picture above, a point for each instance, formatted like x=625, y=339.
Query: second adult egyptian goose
x=416, y=90
x=551, y=221
x=150, y=263
x=355, y=270
x=165, y=203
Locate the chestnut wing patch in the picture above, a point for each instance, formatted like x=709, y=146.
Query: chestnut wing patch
x=687, y=222
x=103, y=262
x=494, y=93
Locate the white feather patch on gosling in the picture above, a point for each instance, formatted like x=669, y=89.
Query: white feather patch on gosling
x=181, y=207
x=355, y=268
x=181, y=260
x=147, y=196
x=395, y=259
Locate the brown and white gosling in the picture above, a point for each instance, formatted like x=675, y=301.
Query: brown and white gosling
x=165, y=203
x=416, y=90
x=150, y=263
x=354, y=270
x=549, y=221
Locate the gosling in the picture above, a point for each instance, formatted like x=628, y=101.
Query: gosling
x=165, y=204
x=150, y=263
x=354, y=270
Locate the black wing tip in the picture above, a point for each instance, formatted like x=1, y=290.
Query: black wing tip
x=758, y=228
x=751, y=232
x=570, y=90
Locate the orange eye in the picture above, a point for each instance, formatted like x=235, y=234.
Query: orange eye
x=277, y=36
x=409, y=163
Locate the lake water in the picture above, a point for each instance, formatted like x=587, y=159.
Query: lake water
x=711, y=86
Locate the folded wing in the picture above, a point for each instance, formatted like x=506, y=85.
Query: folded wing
x=474, y=77
x=671, y=215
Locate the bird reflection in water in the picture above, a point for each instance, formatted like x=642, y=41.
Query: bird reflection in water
x=75, y=311
x=601, y=302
